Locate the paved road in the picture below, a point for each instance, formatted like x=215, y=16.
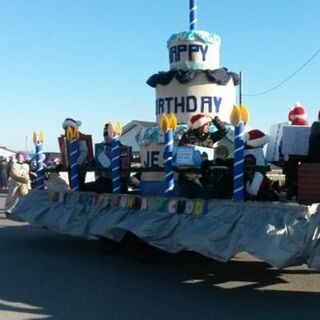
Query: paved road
x=45, y=275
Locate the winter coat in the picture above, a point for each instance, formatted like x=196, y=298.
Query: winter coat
x=314, y=142
x=193, y=137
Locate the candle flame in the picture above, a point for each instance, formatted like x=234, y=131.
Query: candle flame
x=38, y=137
x=69, y=134
x=114, y=130
x=244, y=113
x=235, y=116
x=168, y=122
x=164, y=123
x=173, y=121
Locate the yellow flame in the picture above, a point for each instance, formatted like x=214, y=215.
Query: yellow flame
x=173, y=121
x=34, y=137
x=244, y=113
x=164, y=123
x=114, y=130
x=41, y=136
x=38, y=137
x=110, y=130
x=119, y=129
x=235, y=116
x=69, y=134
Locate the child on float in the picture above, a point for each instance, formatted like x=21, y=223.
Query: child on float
x=191, y=185
x=257, y=185
x=218, y=174
x=314, y=141
x=297, y=117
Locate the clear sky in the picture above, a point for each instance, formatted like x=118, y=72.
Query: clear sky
x=90, y=59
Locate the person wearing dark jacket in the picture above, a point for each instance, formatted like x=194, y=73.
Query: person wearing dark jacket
x=198, y=133
x=314, y=141
x=191, y=185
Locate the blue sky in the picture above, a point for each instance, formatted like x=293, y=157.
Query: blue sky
x=90, y=59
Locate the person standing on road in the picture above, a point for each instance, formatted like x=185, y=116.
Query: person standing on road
x=19, y=182
x=4, y=173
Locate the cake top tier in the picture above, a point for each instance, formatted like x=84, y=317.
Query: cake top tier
x=194, y=49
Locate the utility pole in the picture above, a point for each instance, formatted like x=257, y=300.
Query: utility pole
x=26, y=144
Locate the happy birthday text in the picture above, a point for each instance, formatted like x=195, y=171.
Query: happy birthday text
x=207, y=104
x=176, y=51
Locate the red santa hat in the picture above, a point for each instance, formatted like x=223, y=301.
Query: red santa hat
x=198, y=120
x=297, y=115
x=256, y=138
x=69, y=122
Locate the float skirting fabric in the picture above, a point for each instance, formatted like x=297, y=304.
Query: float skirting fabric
x=281, y=234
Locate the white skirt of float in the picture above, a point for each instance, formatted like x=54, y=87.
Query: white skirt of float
x=196, y=96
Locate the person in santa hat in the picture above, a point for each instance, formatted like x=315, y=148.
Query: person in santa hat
x=257, y=185
x=72, y=124
x=297, y=115
x=198, y=133
x=191, y=185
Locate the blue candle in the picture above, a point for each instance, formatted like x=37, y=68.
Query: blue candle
x=193, y=14
x=39, y=166
x=238, y=118
x=238, y=179
x=115, y=164
x=168, y=168
x=73, y=160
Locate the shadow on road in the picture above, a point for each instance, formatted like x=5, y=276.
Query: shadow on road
x=55, y=276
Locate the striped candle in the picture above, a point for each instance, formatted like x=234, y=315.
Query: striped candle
x=115, y=164
x=73, y=160
x=193, y=14
x=168, y=168
x=238, y=178
x=39, y=166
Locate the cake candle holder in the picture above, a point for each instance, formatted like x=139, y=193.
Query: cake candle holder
x=38, y=139
x=193, y=14
x=114, y=133
x=73, y=142
x=238, y=118
x=168, y=126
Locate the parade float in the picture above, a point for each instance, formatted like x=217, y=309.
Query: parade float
x=282, y=234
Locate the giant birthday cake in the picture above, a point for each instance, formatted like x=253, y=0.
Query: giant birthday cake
x=195, y=83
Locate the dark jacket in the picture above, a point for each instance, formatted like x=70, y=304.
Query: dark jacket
x=314, y=143
x=193, y=137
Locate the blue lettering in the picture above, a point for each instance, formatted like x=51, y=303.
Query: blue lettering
x=181, y=48
x=155, y=158
x=173, y=54
x=217, y=103
x=206, y=101
x=192, y=49
x=176, y=51
x=160, y=106
x=152, y=159
x=204, y=51
x=191, y=105
x=178, y=105
x=168, y=100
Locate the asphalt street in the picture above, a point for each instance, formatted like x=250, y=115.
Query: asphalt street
x=45, y=275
